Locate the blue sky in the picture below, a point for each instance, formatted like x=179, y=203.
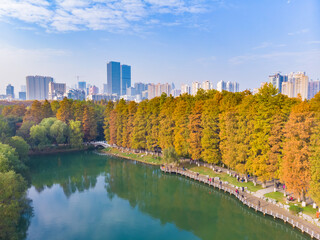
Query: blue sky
x=176, y=41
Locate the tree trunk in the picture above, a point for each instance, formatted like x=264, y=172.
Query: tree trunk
x=255, y=181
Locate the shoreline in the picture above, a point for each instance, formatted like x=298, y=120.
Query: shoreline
x=128, y=158
x=55, y=151
x=266, y=208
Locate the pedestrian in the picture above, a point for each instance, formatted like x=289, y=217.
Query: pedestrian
x=259, y=204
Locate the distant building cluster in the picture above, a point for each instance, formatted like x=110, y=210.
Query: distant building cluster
x=228, y=86
x=118, y=85
x=295, y=84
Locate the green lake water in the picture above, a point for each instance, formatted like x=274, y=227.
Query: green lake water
x=90, y=196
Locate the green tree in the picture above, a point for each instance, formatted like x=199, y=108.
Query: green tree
x=20, y=146
x=170, y=155
x=24, y=130
x=12, y=198
x=9, y=160
x=76, y=134
x=59, y=131
x=39, y=136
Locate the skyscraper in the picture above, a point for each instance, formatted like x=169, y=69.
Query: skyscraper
x=10, y=91
x=288, y=88
x=185, y=89
x=221, y=85
x=206, y=85
x=277, y=80
x=125, y=78
x=195, y=88
x=230, y=87
x=301, y=84
x=314, y=88
x=38, y=87
x=82, y=85
x=113, y=78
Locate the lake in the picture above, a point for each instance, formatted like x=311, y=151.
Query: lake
x=86, y=195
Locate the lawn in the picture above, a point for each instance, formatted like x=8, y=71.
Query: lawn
x=136, y=156
x=278, y=196
x=224, y=177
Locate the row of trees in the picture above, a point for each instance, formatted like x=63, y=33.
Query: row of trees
x=266, y=135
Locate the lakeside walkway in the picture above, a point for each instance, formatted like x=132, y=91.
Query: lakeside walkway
x=254, y=202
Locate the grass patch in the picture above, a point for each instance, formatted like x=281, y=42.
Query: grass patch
x=141, y=157
x=224, y=177
x=309, y=210
x=295, y=209
x=278, y=196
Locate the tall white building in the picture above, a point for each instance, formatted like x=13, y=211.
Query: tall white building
x=221, y=85
x=298, y=84
x=229, y=86
x=314, y=88
x=38, y=87
x=206, y=85
x=195, y=87
x=185, y=88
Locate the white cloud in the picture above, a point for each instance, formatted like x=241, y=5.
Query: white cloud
x=112, y=15
x=302, y=31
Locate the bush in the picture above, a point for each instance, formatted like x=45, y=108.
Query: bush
x=170, y=155
x=295, y=209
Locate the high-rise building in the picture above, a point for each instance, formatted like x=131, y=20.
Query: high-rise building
x=155, y=90
x=314, y=88
x=82, y=85
x=175, y=92
x=56, y=91
x=195, y=88
x=140, y=87
x=113, y=78
x=277, y=80
x=185, y=88
x=301, y=84
x=125, y=78
x=22, y=96
x=288, y=88
x=23, y=88
x=10, y=91
x=38, y=87
x=221, y=85
x=93, y=90
x=206, y=85
x=229, y=86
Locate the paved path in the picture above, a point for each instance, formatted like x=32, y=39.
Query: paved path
x=252, y=201
x=262, y=192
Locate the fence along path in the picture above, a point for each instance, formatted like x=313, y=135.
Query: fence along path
x=251, y=201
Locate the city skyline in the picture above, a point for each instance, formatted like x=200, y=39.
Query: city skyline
x=167, y=41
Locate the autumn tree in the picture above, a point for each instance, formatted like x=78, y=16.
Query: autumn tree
x=210, y=134
x=89, y=124
x=107, y=114
x=295, y=167
x=195, y=129
x=65, y=111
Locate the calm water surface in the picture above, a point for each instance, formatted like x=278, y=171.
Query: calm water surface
x=91, y=196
